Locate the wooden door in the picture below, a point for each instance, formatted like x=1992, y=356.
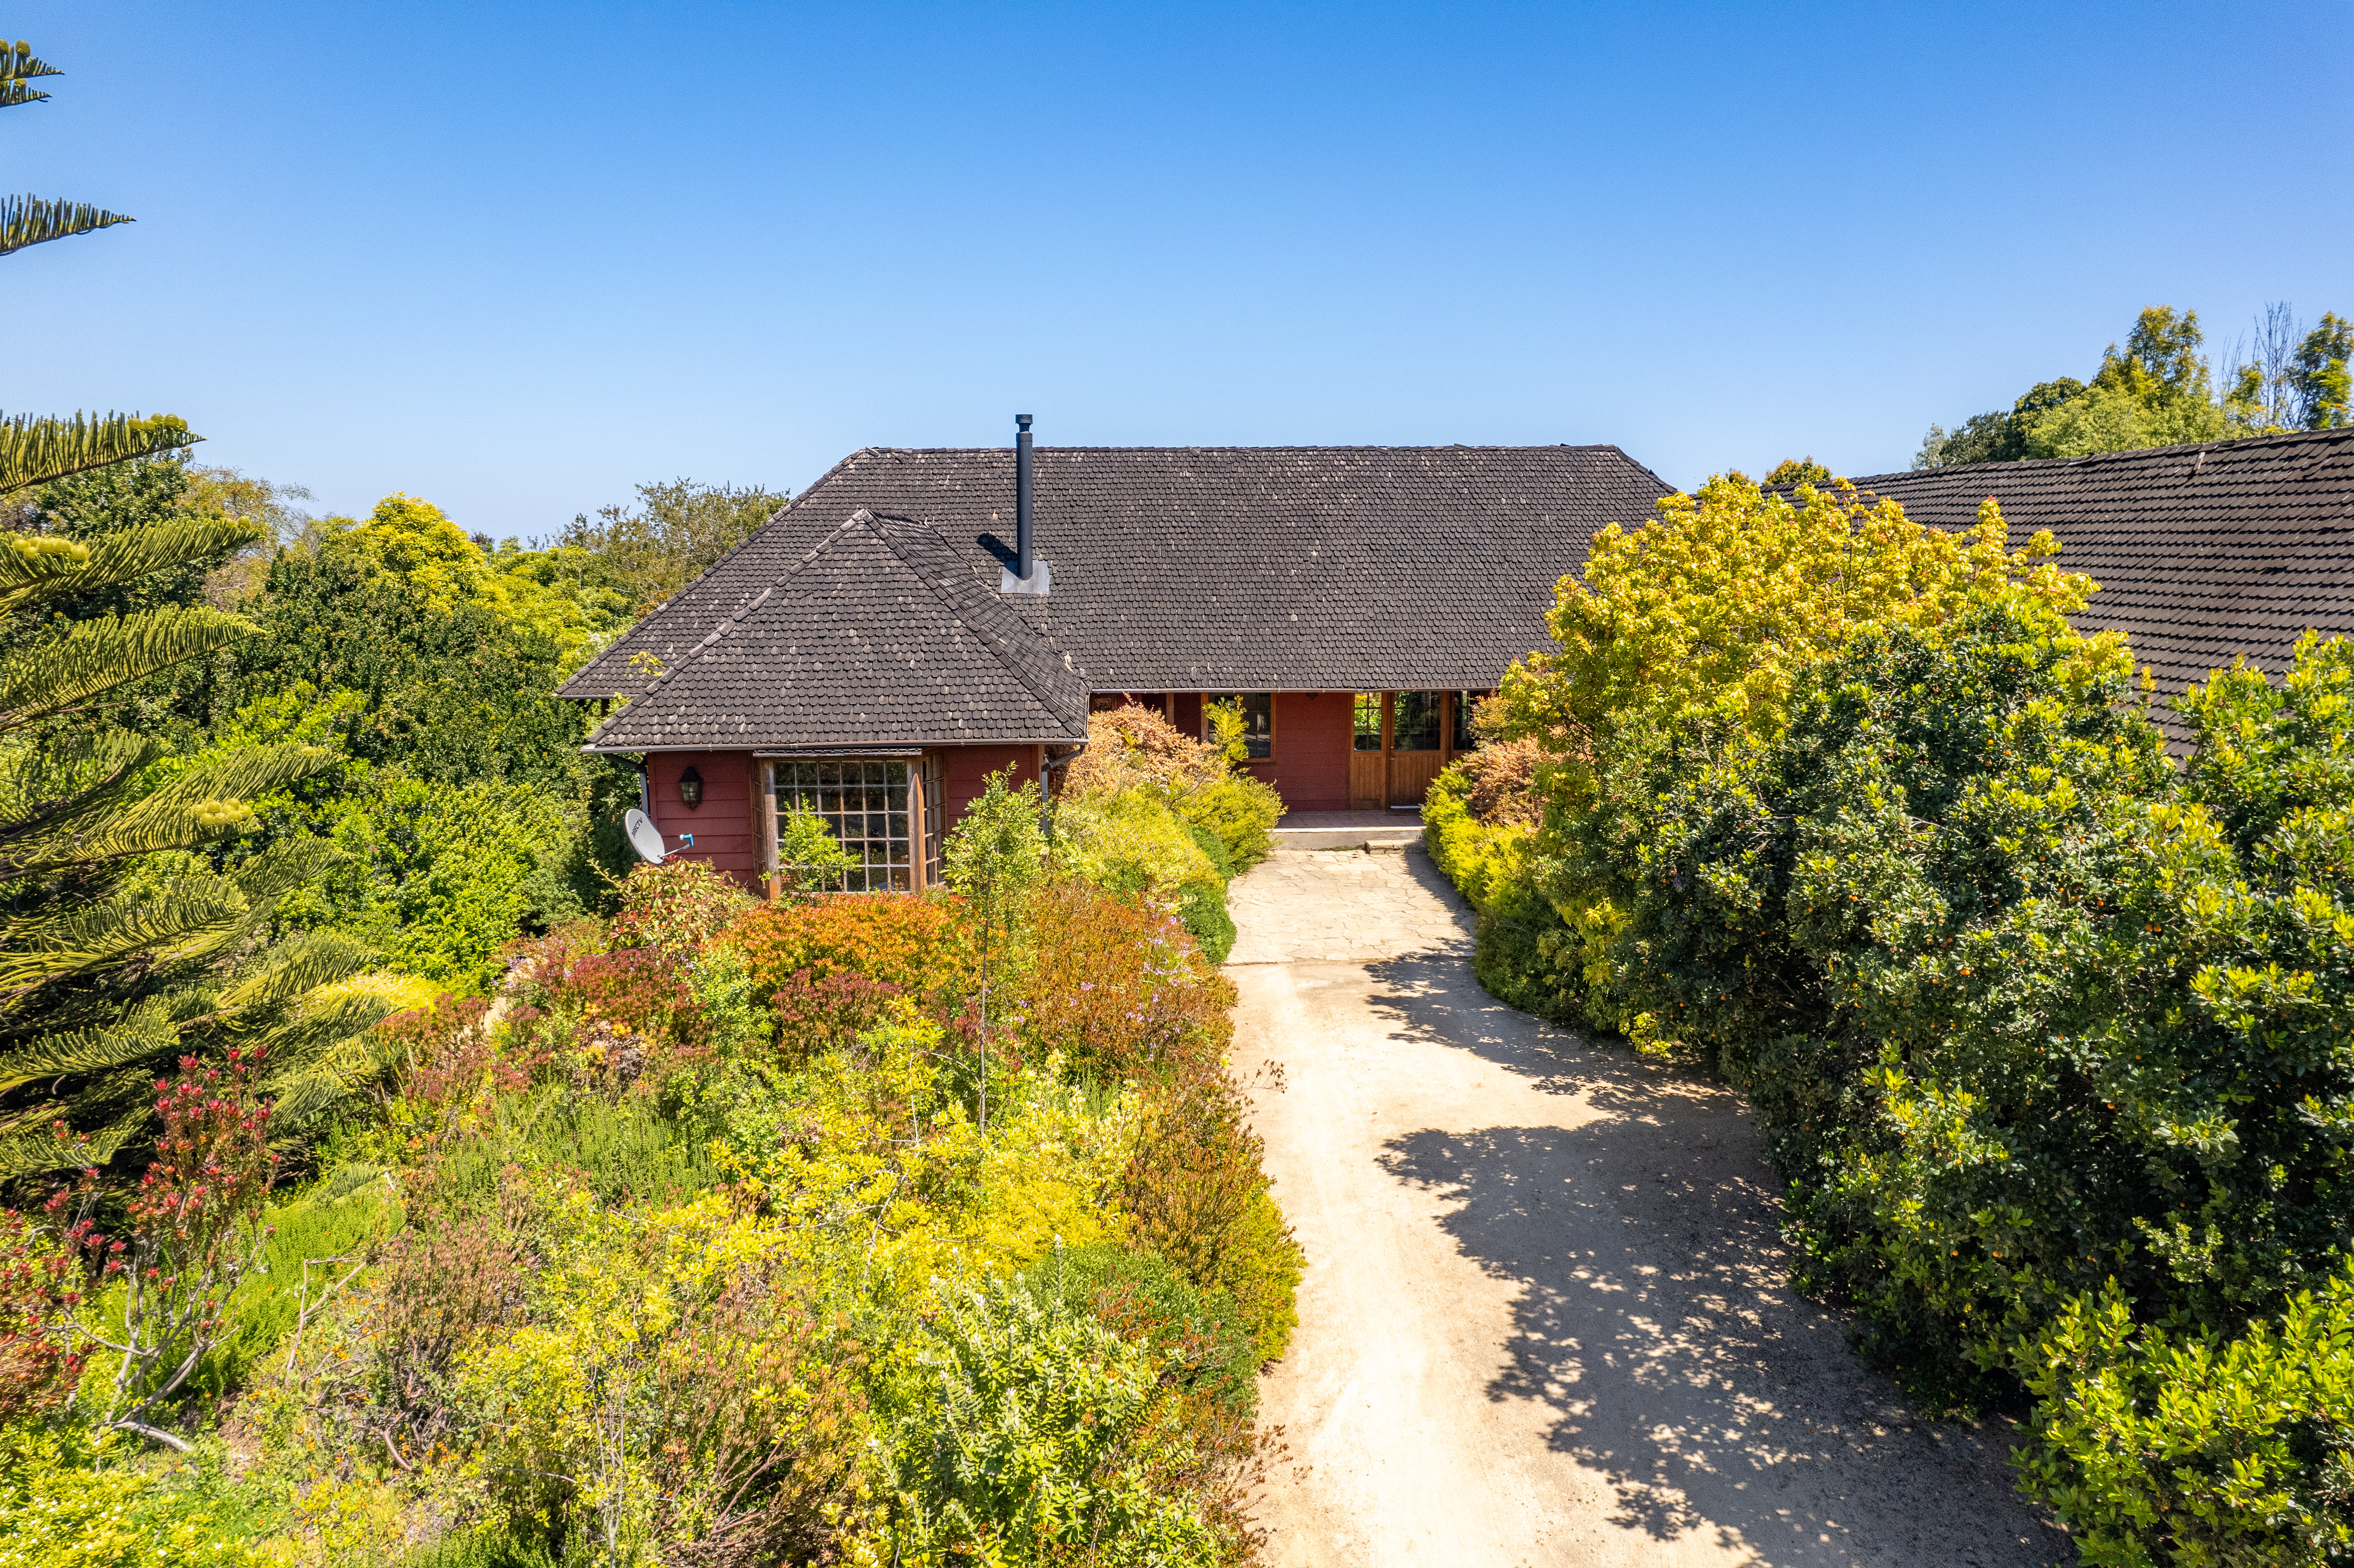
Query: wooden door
x=1369, y=763
x=1416, y=734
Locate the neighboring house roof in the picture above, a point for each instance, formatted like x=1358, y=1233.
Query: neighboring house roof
x=877, y=632
x=2204, y=554
x=1223, y=568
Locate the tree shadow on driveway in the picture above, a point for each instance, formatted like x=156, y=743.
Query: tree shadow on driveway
x=1653, y=1319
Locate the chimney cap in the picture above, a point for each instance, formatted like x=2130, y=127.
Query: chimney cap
x=1023, y=420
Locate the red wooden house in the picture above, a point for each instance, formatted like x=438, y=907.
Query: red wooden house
x=916, y=619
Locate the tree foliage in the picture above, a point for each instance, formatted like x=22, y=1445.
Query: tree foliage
x=2158, y=390
x=2047, y=1036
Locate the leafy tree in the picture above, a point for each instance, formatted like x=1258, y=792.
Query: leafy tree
x=648, y=552
x=995, y=857
x=1791, y=471
x=452, y=671
x=2320, y=377
x=2158, y=390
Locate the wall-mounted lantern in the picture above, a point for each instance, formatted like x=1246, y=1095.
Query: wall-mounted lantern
x=690, y=789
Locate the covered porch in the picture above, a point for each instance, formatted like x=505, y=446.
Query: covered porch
x=1332, y=751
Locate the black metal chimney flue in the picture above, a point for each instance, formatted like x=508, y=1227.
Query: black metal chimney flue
x=1022, y=556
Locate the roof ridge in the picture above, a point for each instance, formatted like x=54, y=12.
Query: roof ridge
x=1301, y=447
x=738, y=617
x=1014, y=667
x=2185, y=448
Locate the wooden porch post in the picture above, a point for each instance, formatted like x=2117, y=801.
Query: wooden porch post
x=917, y=843
x=763, y=817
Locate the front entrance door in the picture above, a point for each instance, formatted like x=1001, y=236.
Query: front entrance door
x=1417, y=729
x=1399, y=742
x=1368, y=753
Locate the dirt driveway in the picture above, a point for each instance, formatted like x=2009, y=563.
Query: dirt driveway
x=1544, y=1319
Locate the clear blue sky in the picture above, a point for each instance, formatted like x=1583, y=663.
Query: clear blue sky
x=515, y=258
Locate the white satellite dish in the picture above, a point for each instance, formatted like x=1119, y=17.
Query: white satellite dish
x=644, y=837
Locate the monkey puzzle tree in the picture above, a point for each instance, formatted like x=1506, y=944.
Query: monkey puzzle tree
x=121, y=945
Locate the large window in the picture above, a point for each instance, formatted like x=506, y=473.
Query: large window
x=867, y=806
x=1415, y=721
x=1464, y=702
x=1257, y=709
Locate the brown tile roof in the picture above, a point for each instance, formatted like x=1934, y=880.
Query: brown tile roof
x=878, y=634
x=1225, y=568
x=2204, y=554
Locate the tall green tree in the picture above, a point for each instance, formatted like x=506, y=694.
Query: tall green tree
x=670, y=537
x=2160, y=389
x=122, y=944
x=2318, y=376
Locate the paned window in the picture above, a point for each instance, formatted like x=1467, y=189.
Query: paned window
x=1368, y=733
x=866, y=805
x=1257, y=709
x=1415, y=721
x=1464, y=704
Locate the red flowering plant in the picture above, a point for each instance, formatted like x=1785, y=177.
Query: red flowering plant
x=41, y=1357
x=196, y=1231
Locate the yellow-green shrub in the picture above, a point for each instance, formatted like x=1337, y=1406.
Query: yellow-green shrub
x=1132, y=842
x=1476, y=855
x=2170, y=1448
x=68, y=1501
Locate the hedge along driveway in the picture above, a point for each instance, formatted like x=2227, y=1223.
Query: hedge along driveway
x=1544, y=1318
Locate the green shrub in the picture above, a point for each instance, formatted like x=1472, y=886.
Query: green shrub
x=1141, y=1295
x=437, y=877
x=1239, y=810
x=71, y=1503
x=1039, y=1435
x=1884, y=929
x=1203, y=910
x=2197, y=1448
x=1195, y=1192
x=1221, y=859
x=2049, y=1041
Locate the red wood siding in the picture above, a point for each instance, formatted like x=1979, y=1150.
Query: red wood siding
x=1310, y=766
x=965, y=771
x=725, y=826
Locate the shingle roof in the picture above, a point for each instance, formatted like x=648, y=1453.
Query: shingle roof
x=2203, y=553
x=877, y=633
x=1225, y=569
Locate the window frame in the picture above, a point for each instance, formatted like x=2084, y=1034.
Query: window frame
x=1272, y=728
x=915, y=781
x=1437, y=724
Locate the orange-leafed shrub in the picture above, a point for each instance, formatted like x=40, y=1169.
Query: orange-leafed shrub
x=1500, y=783
x=1118, y=988
x=916, y=943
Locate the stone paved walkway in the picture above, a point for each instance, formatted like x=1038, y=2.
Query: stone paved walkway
x=1545, y=1317
x=1345, y=907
